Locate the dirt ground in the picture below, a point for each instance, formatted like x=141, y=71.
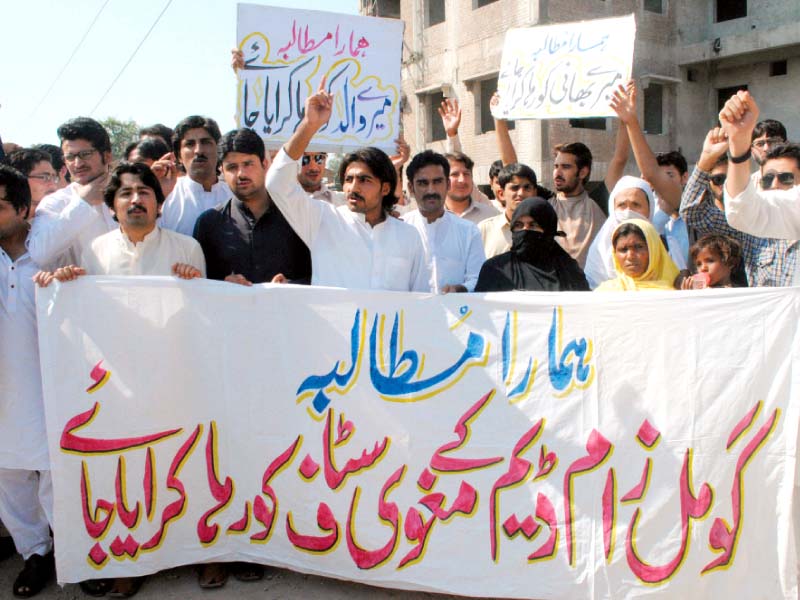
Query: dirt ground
x=181, y=584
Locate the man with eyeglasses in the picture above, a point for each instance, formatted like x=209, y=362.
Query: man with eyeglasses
x=70, y=218
x=766, y=135
x=36, y=165
x=767, y=261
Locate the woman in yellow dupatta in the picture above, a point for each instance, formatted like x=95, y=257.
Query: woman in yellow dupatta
x=640, y=259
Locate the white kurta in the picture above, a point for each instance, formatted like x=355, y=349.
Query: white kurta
x=454, y=249
x=345, y=250
x=772, y=213
x=188, y=201
x=114, y=254
x=330, y=196
x=23, y=437
x=64, y=225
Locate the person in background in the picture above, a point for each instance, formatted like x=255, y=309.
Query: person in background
x=453, y=246
x=516, y=182
x=194, y=143
x=57, y=160
x=536, y=262
x=147, y=150
x=37, y=167
x=459, y=199
x=766, y=261
x=158, y=132
x=766, y=134
x=70, y=218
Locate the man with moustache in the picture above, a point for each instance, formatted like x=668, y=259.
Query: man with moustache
x=247, y=240
x=358, y=246
x=194, y=143
x=453, y=246
x=578, y=215
x=70, y=218
x=137, y=247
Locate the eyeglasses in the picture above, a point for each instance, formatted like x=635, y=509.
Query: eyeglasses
x=83, y=155
x=718, y=179
x=318, y=158
x=771, y=141
x=46, y=177
x=784, y=178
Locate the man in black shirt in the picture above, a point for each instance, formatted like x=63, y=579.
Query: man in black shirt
x=246, y=240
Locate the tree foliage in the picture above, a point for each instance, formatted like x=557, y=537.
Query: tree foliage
x=122, y=133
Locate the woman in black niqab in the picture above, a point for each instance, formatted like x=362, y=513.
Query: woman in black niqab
x=536, y=262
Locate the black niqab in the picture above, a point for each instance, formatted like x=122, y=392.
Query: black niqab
x=536, y=262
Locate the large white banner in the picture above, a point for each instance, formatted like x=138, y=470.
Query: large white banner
x=566, y=70
x=507, y=445
x=286, y=54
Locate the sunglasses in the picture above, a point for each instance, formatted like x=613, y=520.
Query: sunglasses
x=318, y=158
x=785, y=178
x=718, y=179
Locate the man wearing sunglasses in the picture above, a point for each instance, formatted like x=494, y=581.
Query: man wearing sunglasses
x=767, y=261
x=69, y=219
x=781, y=167
x=310, y=175
x=36, y=165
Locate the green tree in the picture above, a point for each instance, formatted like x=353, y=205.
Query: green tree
x=122, y=133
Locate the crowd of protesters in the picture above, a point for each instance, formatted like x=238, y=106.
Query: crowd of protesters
x=194, y=203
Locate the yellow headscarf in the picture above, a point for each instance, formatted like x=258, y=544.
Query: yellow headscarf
x=660, y=273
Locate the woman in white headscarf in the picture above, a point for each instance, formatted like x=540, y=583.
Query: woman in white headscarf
x=631, y=198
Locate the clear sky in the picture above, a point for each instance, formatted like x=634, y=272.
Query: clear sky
x=182, y=68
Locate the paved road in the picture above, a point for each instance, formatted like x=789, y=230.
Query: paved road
x=181, y=584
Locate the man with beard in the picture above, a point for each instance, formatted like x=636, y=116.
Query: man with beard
x=453, y=246
x=37, y=167
x=766, y=261
x=70, y=218
x=247, y=240
x=195, y=144
x=358, y=246
x=579, y=217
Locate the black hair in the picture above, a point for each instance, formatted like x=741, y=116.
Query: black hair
x=18, y=192
x=56, y=154
x=728, y=249
x=627, y=229
x=242, y=140
x=495, y=168
x=158, y=130
x=582, y=154
x=142, y=171
x=381, y=166
x=784, y=151
x=462, y=158
x=84, y=128
x=26, y=159
x=150, y=148
x=770, y=128
x=424, y=159
x=516, y=170
x=193, y=122
x=674, y=159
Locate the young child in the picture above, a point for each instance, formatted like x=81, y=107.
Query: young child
x=715, y=256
